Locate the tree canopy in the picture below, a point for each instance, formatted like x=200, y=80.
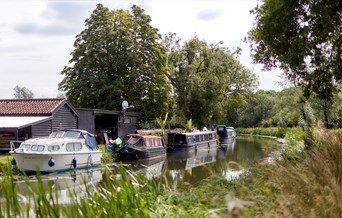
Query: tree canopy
x=22, y=92
x=202, y=76
x=304, y=38
x=118, y=56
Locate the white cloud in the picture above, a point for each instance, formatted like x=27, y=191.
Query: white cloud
x=36, y=37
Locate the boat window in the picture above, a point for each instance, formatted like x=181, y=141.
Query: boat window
x=26, y=147
x=56, y=134
x=37, y=148
x=71, y=134
x=189, y=138
x=53, y=148
x=147, y=142
x=210, y=136
x=74, y=146
x=156, y=142
x=220, y=128
x=197, y=138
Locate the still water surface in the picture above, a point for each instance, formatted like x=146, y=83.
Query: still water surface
x=184, y=166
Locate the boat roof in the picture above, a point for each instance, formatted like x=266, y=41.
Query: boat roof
x=198, y=133
x=74, y=130
x=144, y=136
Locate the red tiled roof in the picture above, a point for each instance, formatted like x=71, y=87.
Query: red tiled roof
x=29, y=106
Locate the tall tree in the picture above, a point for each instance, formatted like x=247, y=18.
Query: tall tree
x=22, y=93
x=302, y=37
x=203, y=75
x=118, y=56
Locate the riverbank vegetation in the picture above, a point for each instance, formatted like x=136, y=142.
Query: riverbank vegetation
x=270, y=190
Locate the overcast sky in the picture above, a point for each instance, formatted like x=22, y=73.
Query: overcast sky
x=36, y=37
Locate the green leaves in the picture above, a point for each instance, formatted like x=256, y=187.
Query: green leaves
x=203, y=75
x=118, y=55
x=304, y=39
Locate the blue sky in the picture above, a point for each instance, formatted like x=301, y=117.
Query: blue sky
x=36, y=37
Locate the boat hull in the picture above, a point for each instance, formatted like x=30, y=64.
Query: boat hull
x=31, y=162
x=210, y=143
x=133, y=153
x=227, y=140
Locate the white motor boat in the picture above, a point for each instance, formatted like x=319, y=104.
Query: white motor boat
x=63, y=150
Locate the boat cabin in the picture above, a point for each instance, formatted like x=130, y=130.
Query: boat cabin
x=191, y=139
x=136, y=146
x=226, y=134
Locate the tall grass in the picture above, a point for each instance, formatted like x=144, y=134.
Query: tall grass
x=308, y=187
x=121, y=193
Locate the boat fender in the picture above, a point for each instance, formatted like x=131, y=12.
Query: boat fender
x=91, y=160
x=74, y=163
x=13, y=162
x=51, y=162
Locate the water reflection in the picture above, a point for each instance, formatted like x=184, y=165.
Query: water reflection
x=149, y=168
x=230, y=161
x=75, y=181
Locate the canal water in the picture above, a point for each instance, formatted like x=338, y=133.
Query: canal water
x=189, y=166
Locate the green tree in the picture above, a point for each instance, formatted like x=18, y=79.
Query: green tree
x=259, y=107
x=288, y=107
x=304, y=38
x=22, y=93
x=203, y=75
x=118, y=56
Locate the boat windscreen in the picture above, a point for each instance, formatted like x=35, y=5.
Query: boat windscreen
x=134, y=140
x=90, y=141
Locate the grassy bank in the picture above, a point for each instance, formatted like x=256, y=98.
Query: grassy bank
x=274, y=131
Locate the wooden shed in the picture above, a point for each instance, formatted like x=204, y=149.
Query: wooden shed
x=114, y=123
x=21, y=119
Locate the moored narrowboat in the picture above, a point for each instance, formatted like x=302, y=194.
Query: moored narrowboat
x=137, y=146
x=191, y=139
x=226, y=134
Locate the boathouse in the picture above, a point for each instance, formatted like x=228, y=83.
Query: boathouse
x=22, y=119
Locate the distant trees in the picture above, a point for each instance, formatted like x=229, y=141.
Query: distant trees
x=118, y=56
x=286, y=108
x=22, y=93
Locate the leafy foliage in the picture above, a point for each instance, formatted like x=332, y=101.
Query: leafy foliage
x=304, y=39
x=162, y=123
x=287, y=108
x=118, y=56
x=203, y=75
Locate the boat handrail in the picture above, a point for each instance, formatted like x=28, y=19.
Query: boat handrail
x=12, y=144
